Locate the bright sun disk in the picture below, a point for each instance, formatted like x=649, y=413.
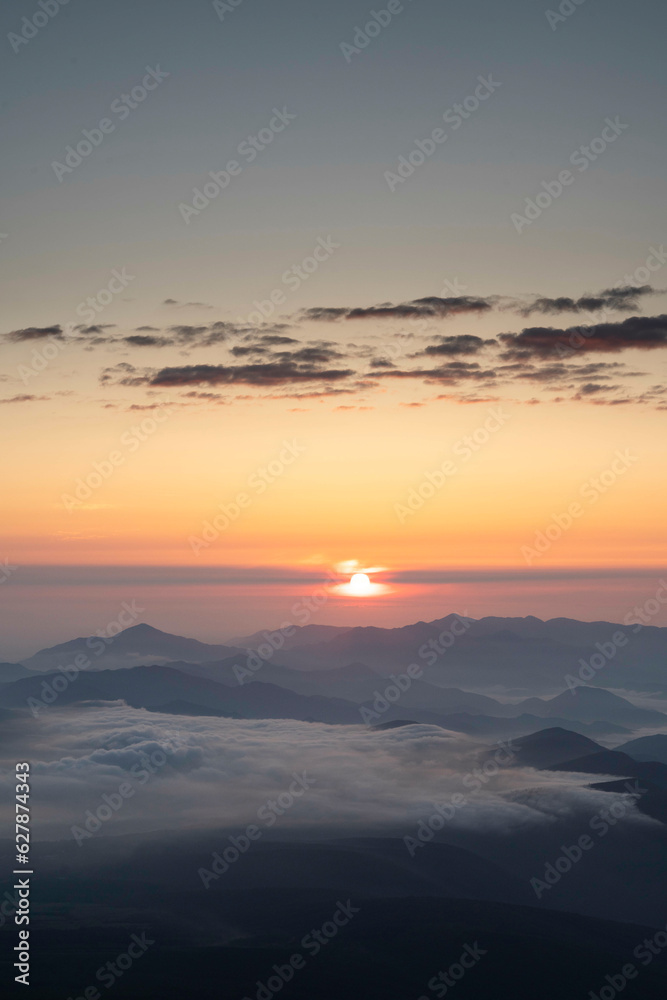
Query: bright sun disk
x=360, y=585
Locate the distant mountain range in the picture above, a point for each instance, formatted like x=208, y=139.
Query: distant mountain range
x=587, y=704
x=303, y=680
x=158, y=686
x=134, y=646
x=520, y=656
x=12, y=672
x=553, y=746
x=525, y=654
x=557, y=749
x=167, y=689
x=499, y=679
x=647, y=748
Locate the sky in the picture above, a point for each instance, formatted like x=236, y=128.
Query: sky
x=417, y=325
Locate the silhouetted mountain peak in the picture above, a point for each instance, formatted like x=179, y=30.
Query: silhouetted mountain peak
x=143, y=628
x=553, y=746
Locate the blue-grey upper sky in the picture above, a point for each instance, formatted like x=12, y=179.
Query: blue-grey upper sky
x=555, y=79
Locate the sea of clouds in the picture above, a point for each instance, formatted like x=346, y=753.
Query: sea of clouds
x=199, y=773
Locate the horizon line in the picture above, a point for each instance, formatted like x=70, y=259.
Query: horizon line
x=172, y=575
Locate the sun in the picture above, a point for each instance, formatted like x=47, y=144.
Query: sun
x=360, y=585
x=361, y=582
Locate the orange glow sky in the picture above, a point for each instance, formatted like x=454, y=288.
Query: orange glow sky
x=310, y=303
x=338, y=498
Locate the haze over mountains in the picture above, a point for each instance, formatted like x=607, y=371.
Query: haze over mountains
x=526, y=655
x=482, y=876
x=129, y=647
x=349, y=676
x=427, y=793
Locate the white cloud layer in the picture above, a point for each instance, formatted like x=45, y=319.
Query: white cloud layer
x=208, y=772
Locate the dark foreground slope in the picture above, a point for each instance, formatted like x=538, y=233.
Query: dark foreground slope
x=388, y=950
x=362, y=921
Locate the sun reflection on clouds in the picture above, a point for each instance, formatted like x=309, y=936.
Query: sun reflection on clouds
x=361, y=582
